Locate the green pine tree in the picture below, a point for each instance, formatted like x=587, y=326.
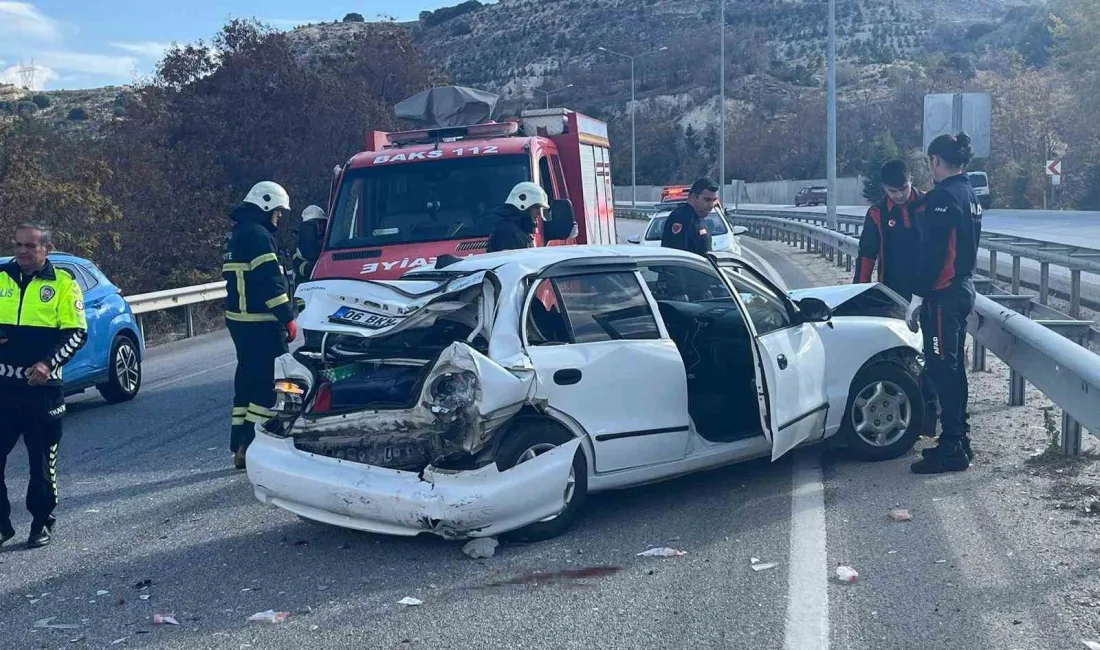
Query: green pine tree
x=883, y=149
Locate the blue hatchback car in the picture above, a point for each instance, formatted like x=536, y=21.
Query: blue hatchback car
x=111, y=359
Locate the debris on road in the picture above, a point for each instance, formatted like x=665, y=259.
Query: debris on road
x=270, y=616
x=91, y=512
x=901, y=514
x=144, y=584
x=102, y=592
x=846, y=574
x=482, y=547
x=1091, y=645
x=542, y=577
x=144, y=596
x=758, y=566
x=46, y=624
x=662, y=551
x=164, y=619
x=408, y=601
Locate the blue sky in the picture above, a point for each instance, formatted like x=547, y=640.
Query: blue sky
x=93, y=43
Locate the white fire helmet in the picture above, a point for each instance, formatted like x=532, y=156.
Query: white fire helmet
x=268, y=196
x=311, y=213
x=527, y=195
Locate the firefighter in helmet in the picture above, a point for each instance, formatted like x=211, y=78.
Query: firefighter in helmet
x=258, y=309
x=310, y=238
x=518, y=217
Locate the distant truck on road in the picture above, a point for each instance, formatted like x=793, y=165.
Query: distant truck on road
x=413, y=196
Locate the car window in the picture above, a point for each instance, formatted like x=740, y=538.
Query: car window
x=81, y=278
x=767, y=310
x=590, y=309
x=656, y=228
x=689, y=284
x=90, y=280
x=545, y=179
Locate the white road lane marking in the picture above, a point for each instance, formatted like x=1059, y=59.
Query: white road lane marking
x=168, y=382
x=808, y=577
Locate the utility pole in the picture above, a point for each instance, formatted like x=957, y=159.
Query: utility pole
x=830, y=212
x=547, y=93
x=633, y=132
x=722, y=103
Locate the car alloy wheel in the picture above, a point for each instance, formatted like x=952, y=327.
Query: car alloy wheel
x=127, y=368
x=881, y=413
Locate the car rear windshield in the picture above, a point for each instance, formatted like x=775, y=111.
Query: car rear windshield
x=715, y=226
x=421, y=202
x=978, y=180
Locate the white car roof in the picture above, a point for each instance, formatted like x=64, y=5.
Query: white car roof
x=527, y=261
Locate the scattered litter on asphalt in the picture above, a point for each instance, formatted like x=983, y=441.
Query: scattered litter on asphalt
x=846, y=574
x=118, y=641
x=102, y=592
x=76, y=640
x=482, y=547
x=47, y=624
x=34, y=600
x=677, y=538
x=144, y=596
x=662, y=551
x=270, y=616
x=164, y=619
x=91, y=512
x=410, y=602
x=764, y=566
x=941, y=561
x=891, y=552
x=900, y=514
x=314, y=628
x=144, y=584
x=1091, y=645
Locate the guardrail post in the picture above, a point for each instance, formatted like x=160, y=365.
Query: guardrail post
x=1016, y=274
x=141, y=326
x=978, y=364
x=1075, y=293
x=993, y=265
x=1071, y=436
x=1044, y=282
x=1016, y=388
x=189, y=315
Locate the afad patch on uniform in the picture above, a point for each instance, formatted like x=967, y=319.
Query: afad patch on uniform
x=676, y=228
x=892, y=223
x=47, y=293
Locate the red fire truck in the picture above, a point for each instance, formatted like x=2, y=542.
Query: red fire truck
x=414, y=196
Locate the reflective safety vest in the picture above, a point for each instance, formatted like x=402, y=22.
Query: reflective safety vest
x=41, y=320
x=256, y=286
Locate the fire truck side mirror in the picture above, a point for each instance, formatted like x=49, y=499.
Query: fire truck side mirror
x=562, y=220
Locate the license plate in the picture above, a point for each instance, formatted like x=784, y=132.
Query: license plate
x=361, y=318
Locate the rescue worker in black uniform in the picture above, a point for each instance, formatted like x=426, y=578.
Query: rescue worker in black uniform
x=951, y=227
x=517, y=218
x=42, y=325
x=686, y=227
x=310, y=239
x=258, y=309
x=890, y=241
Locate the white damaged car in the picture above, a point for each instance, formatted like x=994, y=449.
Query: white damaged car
x=491, y=396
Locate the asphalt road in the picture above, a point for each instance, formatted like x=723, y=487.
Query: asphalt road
x=148, y=499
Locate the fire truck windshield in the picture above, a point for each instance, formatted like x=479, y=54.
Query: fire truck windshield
x=423, y=202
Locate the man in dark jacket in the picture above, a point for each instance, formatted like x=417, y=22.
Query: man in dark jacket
x=685, y=228
x=258, y=309
x=890, y=240
x=310, y=236
x=517, y=218
x=42, y=325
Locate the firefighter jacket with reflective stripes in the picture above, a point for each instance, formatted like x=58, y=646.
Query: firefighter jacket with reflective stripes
x=255, y=282
x=310, y=236
x=41, y=321
x=950, y=219
x=890, y=242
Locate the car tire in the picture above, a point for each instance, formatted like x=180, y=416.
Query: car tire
x=123, y=372
x=532, y=436
x=890, y=392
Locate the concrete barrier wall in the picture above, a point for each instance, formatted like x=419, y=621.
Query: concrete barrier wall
x=849, y=192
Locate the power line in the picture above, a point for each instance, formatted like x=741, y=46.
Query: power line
x=26, y=74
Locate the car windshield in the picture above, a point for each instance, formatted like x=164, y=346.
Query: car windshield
x=977, y=180
x=714, y=222
x=422, y=202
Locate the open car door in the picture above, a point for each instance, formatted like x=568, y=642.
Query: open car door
x=791, y=354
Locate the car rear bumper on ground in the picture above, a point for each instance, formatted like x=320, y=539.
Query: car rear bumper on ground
x=454, y=505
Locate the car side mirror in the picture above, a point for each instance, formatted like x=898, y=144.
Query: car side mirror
x=740, y=230
x=814, y=310
x=562, y=221
x=636, y=239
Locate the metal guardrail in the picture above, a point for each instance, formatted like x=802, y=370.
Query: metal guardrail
x=1051, y=351
x=185, y=297
x=1075, y=258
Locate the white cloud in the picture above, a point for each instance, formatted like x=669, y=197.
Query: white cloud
x=144, y=49
x=117, y=67
x=42, y=76
x=22, y=20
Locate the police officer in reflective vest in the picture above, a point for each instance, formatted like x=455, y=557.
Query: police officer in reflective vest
x=42, y=325
x=890, y=240
x=258, y=309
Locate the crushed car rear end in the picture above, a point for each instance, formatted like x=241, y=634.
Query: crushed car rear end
x=391, y=423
